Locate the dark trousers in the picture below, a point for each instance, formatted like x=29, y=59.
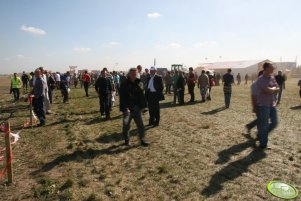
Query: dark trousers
x=191, y=92
x=209, y=93
x=135, y=113
x=65, y=93
x=50, y=93
x=227, y=99
x=175, y=94
x=58, y=84
x=153, y=107
x=38, y=108
x=25, y=85
x=181, y=96
x=16, y=93
x=279, y=94
x=86, y=86
x=104, y=104
x=168, y=86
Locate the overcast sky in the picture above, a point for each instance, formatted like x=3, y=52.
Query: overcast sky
x=120, y=34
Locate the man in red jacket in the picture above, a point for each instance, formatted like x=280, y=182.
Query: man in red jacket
x=87, y=81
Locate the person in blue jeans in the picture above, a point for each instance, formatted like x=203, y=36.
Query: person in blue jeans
x=267, y=89
x=228, y=80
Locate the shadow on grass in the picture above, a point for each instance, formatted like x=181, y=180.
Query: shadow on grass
x=212, y=112
x=81, y=155
x=297, y=107
x=117, y=137
x=100, y=119
x=234, y=169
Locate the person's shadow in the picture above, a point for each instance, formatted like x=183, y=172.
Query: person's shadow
x=297, y=107
x=212, y=112
x=234, y=169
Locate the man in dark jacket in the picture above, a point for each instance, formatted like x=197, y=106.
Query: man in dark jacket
x=280, y=81
x=181, y=82
x=154, y=94
x=103, y=87
x=39, y=94
x=132, y=104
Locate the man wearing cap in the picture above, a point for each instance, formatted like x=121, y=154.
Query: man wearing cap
x=267, y=89
x=154, y=94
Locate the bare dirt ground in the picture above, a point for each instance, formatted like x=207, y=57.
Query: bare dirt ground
x=199, y=152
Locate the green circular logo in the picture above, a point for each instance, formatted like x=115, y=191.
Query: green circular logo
x=282, y=190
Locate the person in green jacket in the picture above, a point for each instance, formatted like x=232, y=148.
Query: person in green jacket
x=15, y=87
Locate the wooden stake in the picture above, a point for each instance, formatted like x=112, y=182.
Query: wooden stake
x=8, y=154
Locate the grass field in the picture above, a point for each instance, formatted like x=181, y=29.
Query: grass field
x=199, y=152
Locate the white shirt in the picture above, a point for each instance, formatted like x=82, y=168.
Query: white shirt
x=151, y=84
x=57, y=77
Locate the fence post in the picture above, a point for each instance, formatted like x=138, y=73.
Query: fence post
x=8, y=154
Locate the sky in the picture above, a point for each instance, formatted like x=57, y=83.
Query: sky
x=120, y=34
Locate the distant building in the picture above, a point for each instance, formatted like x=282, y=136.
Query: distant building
x=245, y=67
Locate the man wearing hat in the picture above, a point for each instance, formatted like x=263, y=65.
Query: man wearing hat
x=154, y=94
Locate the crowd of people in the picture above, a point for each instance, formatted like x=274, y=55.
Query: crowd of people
x=140, y=92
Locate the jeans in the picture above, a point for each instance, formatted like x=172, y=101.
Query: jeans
x=38, y=107
x=16, y=93
x=227, y=99
x=135, y=113
x=264, y=127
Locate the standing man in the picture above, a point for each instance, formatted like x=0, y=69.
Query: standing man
x=299, y=84
x=139, y=69
x=25, y=80
x=211, y=84
x=116, y=82
x=203, y=84
x=58, y=80
x=228, y=80
x=180, y=87
x=191, y=84
x=246, y=79
x=154, y=94
x=103, y=87
x=132, y=104
x=87, y=81
x=238, y=77
x=39, y=91
x=15, y=87
x=267, y=89
x=168, y=82
x=174, y=80
x=280, y=81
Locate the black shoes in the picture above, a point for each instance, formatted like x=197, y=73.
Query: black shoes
x=144, y=143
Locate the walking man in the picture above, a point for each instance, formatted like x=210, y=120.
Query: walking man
x=228, y=80
x=238, y=77
x=267, y=89
x=203, y=84
x=103, y=87
x=87, y=81
x=154, y=94
x=280, y=81
x=15, y=87
x=168, y=82
x=132, y=104
x=174, y=80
